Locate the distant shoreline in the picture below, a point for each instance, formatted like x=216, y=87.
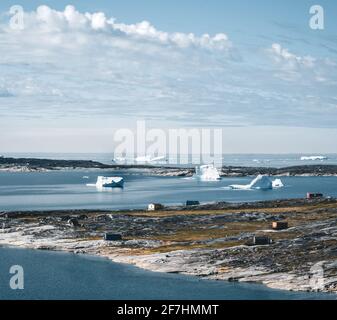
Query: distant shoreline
x=42, y=165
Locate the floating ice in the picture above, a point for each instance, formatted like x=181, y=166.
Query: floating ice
x=261, y=182
x=108, y=182
x=119, y=159
x=207, y=173
x=150, y=159
x=314, y=158
x=277, y=183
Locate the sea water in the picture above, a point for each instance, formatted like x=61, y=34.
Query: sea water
x=53, y=275
x=69, y=190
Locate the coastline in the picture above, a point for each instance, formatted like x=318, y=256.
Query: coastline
x=214, y=248
x=56, y=265
x=207, y=240
x=46, y=165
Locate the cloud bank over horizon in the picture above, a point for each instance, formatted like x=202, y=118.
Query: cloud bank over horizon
x=79, y=68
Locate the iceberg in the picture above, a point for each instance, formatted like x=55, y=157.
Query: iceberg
x=119, y=159
x=207, y=173
x=108, y=182
x=261, y=182
x=277, y=183
x=314, y=158
x=150, y=159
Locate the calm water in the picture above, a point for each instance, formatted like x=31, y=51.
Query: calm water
x=50, y=275
x=68, y=190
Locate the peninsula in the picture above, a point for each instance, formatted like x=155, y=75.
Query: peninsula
x=211, y=241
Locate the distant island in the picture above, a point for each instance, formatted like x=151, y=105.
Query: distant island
x=33, y=164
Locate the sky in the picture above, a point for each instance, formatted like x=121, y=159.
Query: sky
x=79, y=70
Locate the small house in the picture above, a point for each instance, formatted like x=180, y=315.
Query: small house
x=155, y=207
x=311, y=195
x=261, y=241
x=279, y=225
x=192, y=203
x=112, y=237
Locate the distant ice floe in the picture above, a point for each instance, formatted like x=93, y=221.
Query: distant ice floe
x=261, y=160
x=119, y=159
x=314, y=158
x=147, y=159
x=261, y=182
x=207, y=173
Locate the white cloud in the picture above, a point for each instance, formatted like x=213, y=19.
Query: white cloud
x=85, y=66
x=53, y=22
x=308, y=69
x=144, y=29
x=282, y=55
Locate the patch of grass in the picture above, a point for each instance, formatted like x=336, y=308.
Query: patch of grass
x=287, y=209
x=207, y=233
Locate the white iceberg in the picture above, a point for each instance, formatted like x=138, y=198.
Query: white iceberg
x=108, y=182
x=150, y=159
x=314, y=158
x=207, y=173
x=261, y=182
x=277, y=183
x=119, y=159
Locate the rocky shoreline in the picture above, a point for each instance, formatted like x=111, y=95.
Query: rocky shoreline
x=208, y=241
x=41, y=165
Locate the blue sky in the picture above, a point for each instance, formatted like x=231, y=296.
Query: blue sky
x=68, y=79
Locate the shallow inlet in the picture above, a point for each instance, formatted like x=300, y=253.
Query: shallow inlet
x=54, y=275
